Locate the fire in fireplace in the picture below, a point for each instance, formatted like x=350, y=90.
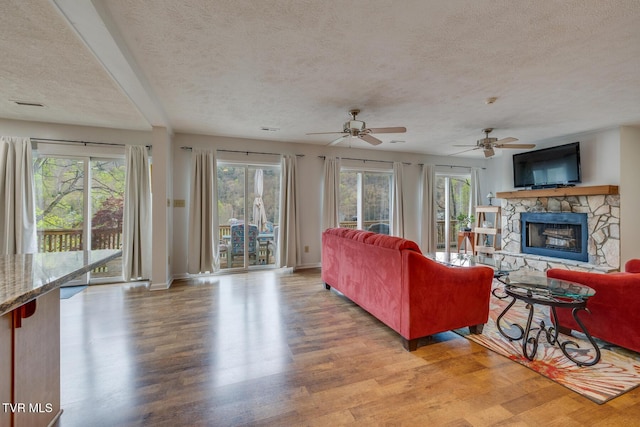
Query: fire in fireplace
x=555, y=234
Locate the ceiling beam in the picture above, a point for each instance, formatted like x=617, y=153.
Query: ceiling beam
x=93, y=24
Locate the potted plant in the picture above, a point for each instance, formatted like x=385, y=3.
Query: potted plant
x=465, y=221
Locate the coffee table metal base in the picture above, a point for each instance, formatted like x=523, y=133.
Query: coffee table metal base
x=531, y=336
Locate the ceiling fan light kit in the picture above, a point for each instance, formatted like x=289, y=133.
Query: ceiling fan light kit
x=358, y=129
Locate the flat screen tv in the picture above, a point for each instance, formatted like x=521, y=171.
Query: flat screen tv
x=549, y=167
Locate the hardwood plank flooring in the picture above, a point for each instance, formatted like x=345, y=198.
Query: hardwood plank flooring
x=268, y=348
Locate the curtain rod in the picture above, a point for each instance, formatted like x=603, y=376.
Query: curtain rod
x=245, y=152
x=365, y=160
x=456, y=166
x=73, y=141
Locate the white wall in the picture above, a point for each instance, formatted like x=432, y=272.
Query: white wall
x=599, y=156
x=629, y=193
x=162, y=227
x=76, y=133
x=310, y=173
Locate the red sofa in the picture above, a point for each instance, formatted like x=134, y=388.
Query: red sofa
x=413, y=295
x=614, y=316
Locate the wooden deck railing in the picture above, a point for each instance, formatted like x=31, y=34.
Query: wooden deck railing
x=453, y=232
x=365, y=224
x=72, y=240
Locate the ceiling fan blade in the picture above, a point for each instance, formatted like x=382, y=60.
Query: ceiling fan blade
x=506, y=140
x=323, y=133
x=464, y=151
x=339, y=140
x=399, y=129
x=370, y=139
x=515, y=145
x=465, y=145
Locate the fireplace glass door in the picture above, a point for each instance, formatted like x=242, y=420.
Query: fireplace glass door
x=560, y=235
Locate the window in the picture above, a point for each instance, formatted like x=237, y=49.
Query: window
x=453, y=194
x=365, y=200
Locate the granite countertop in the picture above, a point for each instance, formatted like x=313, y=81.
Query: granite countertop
x=25, y=277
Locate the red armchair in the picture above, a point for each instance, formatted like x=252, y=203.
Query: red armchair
x=614, y=316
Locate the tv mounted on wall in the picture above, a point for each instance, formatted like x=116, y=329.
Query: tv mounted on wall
x=548, y=168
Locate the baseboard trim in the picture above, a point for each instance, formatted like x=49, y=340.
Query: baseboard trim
x=161, y=286
x=308, y=266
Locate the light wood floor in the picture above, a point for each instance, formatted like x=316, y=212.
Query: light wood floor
x=268, y=349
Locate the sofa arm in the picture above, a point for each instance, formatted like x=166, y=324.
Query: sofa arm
x=632, y=266
x=618, y=292
x=442, y=298
x=612, y=312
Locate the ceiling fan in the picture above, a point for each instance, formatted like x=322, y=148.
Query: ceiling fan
x=488, y=144
x=358, y=129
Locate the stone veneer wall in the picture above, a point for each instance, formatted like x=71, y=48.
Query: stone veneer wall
x=603, y=221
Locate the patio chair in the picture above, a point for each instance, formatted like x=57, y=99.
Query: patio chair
x=235, y=247
x=380, y=228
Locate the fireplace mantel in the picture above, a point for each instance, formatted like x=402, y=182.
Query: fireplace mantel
x=560, y=192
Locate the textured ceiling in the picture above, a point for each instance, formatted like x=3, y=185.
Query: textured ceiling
x=43, y=61
x=230, y=67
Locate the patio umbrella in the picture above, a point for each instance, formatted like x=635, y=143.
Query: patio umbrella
x=259, y=214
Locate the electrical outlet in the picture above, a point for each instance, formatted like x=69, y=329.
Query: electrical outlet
x=306, y=249
x=178, y=203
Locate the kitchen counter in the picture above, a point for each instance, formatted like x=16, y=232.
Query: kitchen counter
x=27, y=276
x=30, y=331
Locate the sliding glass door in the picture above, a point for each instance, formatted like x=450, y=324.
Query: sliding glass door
x=106, y=212
x=452, y=199
x=79, y=206
x=248, y=212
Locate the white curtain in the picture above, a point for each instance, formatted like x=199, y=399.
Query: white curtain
x=397, y=206
x=203, y=253
x=475, y=196
x=259, y=214
x=428, y=225
x=17, y=193
x=288, y=248
x=136, y=228
x=331, y=201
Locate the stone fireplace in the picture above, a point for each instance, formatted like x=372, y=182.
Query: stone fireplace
x=595, y=230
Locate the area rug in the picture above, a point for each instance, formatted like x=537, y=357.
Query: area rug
x=67, y=292
x=617, y=372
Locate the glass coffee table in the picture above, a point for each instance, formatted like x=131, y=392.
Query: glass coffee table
x=459, y=259
x=554, y=293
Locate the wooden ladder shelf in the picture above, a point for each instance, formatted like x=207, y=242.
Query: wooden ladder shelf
x=487, y=238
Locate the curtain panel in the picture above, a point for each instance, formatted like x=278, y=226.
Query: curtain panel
x=17, y=195
x=288, y=248
x=428, y=225
x=203, y=247
x=137, y=220
x=475, y=197
x=331, y=193
x=397, y=206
